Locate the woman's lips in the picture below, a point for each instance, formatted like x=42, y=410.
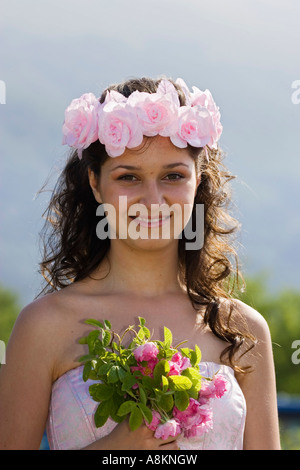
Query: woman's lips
x=152, y=222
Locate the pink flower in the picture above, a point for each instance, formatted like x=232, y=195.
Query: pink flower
x=145, y=370
x=195, y=127
x=214, y=388
x=185, y=90
x=154, y=111
x=178, y=363
x=146, y=352
x=195, y=420
x=155, y=421
x=80, y=127
x=220, y=384
x=118, y=127
x=169, y=429
x=205, y=99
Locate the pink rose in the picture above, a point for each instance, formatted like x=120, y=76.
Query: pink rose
x=214, y=388
x=169, y=429
x=146, y=352
x=195, y=420
x=154, y=111
x=145, y=370
x=155, y=421
x=185, y=90
x=220, y=384
x=80, y=127
x=118, y=127
x=178, y=363
x=205, y=99
x=195, y=127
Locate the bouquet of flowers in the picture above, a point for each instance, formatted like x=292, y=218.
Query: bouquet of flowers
x=151, y=381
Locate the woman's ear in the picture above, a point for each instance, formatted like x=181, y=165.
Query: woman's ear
x=94, y=184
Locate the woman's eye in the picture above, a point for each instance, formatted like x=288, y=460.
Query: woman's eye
x=127, y=178
x=174, y=176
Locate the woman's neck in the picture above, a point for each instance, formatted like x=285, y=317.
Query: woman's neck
x=140, y=272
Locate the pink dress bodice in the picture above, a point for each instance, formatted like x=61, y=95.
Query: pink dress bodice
x=71, y=425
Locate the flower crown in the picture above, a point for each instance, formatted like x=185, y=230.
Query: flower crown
x=121, y=122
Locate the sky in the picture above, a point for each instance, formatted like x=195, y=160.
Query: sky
x=245, y=51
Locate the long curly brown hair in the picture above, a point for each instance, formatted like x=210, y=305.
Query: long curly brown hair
x=72, y=250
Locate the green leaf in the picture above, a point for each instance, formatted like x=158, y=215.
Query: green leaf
x=98, y=347
x=165, y=383
x=146, y=332
x=83, y=340
x=93, y=322
x=168, y=337
x=87, y=357
x=106, y=338
x=103, y=369
x=143, y=396
x=161, y=368
x=166, y=402
x=128, y=382
x=194, y=376
x=105, y=407
x=147, y=413
x=179, y=382
x=122, y=373
x=101, y=392
x=135, y=419
x=86, y=370
x=148, y=382
x=141, y=334
x=142, y=321
x=99, y=419
x=182, y=400
x=198, y=353
x=185, y=352
x=92, y=336
x=193, y=393
x=107, y=324
x=126, y=407
x=113, y=376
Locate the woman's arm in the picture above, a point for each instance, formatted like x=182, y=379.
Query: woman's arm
x=26, y=379
x=259, y=387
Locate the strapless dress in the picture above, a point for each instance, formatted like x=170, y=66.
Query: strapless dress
x=70, y=423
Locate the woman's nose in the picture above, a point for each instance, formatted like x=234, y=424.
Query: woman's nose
x=152, y=193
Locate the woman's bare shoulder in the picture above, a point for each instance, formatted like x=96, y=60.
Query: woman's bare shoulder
x=44, y=321
x=245, y=316
x=45, y=310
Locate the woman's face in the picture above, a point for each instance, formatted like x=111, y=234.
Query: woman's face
x=148, y=193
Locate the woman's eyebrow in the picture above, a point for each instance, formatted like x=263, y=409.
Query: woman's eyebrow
x=131, y=167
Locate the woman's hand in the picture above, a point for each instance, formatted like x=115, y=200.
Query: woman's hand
x=122, y=438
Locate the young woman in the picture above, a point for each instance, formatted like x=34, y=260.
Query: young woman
x=150, y=145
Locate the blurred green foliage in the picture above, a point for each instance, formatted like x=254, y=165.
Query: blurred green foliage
x=282, y=312
x=9, y=310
